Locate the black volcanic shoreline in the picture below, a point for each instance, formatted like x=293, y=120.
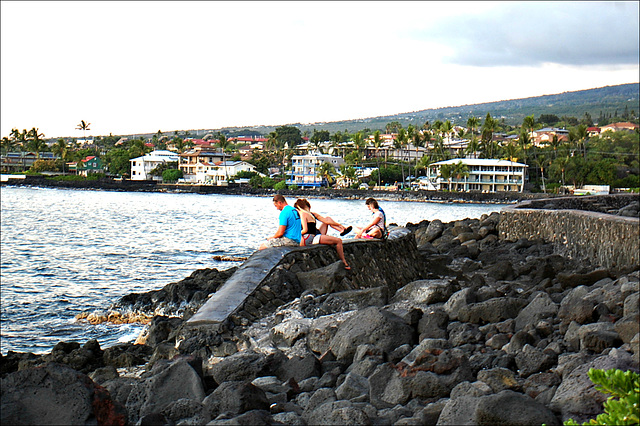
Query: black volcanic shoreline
x=357, y=194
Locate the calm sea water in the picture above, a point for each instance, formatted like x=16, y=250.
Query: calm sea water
x=64, y=252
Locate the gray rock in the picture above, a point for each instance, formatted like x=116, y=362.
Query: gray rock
x=318, y=398
x=288, y=332
x=186, y=411
x=338, y=413
x=533, y=360
x=539, y=308
x=598, y=336
x=56, y=394
x=235, y=398
x=433, y=231
x=631, y=305
x=627, y=327
x=289, y=418
x=424, y=292
x=321, y=331
x=353, y=386
x=245, y=365
x=577, y=397
x=477, y=388
x=177, y=380
x=433, y=324
x=388, y=388
x=323, y=280
x=574, y=306
x=499, y=379
x=372, y=325
x=299, y=368
x=512, y=408
x=492, y=310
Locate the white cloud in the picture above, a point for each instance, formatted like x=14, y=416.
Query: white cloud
x=130, y=67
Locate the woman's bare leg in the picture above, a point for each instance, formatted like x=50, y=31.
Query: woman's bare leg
x=334, y=241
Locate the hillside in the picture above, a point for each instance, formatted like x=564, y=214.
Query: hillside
x=603, y=100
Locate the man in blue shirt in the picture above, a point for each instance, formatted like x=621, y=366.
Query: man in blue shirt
x=289, y=229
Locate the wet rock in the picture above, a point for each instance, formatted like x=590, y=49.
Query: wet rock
x=56, y=394
x=126, y=355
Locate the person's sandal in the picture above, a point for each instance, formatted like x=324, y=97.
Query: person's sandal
x=346, y=231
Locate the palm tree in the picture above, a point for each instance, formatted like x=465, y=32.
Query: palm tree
x=224, y=144
x=488, y=128
x=446, y=130
x=582, y=134
x=35, y=142
x=84, y=127
x=525, y=140
x=325, y=171
x=541, y=161
x=474, y=146
x=510, y=152
x=377, y=142
x=446, y=172
x=418, y=142
x=61, y=149
x=459, y=170
x=399, y=144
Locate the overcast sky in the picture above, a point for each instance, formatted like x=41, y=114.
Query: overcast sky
x=140, y=67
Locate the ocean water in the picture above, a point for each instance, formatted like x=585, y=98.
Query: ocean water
x=64, y=252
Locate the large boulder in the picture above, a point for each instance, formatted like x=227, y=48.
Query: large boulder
x=540, y=307
x=234, y=398
x=504, y=408
x=577, y=397
x=56, y=394
x=170, y=383
x=425, y=292
x=322, y=280
x=372, y=325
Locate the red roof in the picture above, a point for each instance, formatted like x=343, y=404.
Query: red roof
x=89, y=158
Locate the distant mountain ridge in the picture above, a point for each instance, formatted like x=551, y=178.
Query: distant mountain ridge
x=602, y=100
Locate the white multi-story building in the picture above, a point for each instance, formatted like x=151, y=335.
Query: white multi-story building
x=218, y=173
x=142, y=166
x=304, y=168
x=486, y=175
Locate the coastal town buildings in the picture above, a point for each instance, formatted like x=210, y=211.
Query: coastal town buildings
x=486, y=175
x=304, y=169
x=219, y=173
x=86, y=166
x=141, y=167
x=188, y=161
x=21, y=161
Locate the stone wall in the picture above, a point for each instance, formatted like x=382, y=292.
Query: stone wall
x=270, y=278
x=606, y=239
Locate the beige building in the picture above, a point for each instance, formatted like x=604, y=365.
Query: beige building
x=485, y=175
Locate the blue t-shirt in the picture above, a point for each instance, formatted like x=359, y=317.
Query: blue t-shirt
x=290, y=218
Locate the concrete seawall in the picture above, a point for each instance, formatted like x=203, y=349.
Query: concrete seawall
x=270, y=278
x=608, y=240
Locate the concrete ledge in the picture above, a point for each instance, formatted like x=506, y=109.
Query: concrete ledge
x=608, y=240
x=366, y=258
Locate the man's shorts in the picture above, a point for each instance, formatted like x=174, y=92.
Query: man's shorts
x=281, y=242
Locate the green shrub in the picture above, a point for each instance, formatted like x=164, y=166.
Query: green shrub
x=621, y=408
x=171, y=175
x=294, y=187
x=256, y=181
x=280, y=185
x=268, y=183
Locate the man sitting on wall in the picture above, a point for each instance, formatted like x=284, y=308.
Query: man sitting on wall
x=289, y=226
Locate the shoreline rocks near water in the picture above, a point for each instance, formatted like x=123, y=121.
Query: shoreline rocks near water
x=483, y=331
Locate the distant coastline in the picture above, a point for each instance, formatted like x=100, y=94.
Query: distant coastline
x=151, y=186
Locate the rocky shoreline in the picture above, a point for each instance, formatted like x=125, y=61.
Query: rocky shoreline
x=492, y=332
x=152, y=186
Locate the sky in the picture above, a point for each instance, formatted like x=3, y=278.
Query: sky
x=140, y=67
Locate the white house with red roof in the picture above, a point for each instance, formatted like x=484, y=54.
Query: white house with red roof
x=220, y=172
